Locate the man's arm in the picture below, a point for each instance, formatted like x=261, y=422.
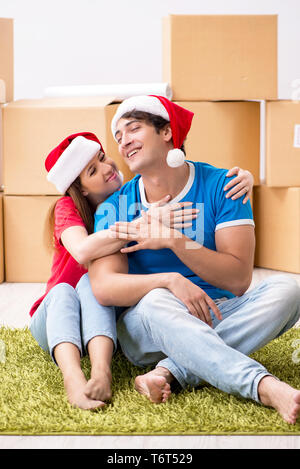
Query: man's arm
x=112, y=285
x=230, y=267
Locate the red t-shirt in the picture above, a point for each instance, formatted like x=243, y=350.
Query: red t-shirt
x=64, y=267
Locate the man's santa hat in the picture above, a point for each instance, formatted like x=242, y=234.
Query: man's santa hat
x=180, y=120
x=69, y=158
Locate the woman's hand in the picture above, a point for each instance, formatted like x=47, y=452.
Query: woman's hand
x=174, y=215
x=194, y=298
x=240, y=185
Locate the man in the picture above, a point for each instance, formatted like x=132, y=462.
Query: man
x=199, y=325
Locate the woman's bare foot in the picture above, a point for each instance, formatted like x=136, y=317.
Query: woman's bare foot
x=155, y=385
x=99, y=385
x=75, y=386
x=281, y=396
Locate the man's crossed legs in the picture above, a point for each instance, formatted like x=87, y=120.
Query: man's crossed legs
x=159, y=330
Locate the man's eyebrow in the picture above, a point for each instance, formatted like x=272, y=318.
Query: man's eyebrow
x=127, y=124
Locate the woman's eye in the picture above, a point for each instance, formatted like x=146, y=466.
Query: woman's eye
x=101, y=156
x=92, y=172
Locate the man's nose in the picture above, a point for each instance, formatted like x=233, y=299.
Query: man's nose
x=126, y=140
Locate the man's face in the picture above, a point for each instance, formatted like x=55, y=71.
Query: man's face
x=140, y=145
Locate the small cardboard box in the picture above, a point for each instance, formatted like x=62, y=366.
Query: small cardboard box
x=1, y=241
x=32, y=128
x=220, y=57
x=277, y=222
x=27, y=258
x=225, y=134
x=282, y=160
x=6, y=60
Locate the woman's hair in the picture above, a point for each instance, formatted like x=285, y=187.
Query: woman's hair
x=83, y=206
x=157, y=122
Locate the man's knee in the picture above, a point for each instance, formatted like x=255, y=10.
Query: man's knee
x=285, y=286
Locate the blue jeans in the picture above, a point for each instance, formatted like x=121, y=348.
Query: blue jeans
x=159, y=330
x=72, y=315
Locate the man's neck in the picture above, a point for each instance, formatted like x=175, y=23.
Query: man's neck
x=170, y=181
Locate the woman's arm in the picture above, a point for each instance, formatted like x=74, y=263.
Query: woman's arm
x=85, y=248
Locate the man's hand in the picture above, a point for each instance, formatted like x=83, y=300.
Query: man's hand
x=156, y=227
x=194, y=298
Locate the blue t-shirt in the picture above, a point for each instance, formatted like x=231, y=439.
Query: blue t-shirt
x=205, y=189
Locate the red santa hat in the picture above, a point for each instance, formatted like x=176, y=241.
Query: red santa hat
x=65, y=162
x=180, y=120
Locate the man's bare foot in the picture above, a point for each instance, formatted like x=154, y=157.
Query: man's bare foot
x=155, y=385
x=75, y=388
x=99, y=385
x=281, y=396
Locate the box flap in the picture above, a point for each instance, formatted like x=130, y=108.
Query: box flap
x=80, y=101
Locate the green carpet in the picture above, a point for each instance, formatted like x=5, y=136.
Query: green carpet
x=33, y=402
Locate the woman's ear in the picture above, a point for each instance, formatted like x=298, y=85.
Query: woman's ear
x=84, y=193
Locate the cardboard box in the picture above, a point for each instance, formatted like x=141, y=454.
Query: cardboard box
x=225, y=134
x=220, y=57
x=32, y=128
x=282, y=152
x=1, y=150
x=6, y=60
x=277, y=221
x=27, y=258
x=1, y=241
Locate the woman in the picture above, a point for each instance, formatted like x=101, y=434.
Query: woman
x=67, y=321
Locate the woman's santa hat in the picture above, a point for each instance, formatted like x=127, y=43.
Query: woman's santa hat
x=180, y=120
x=69, y=158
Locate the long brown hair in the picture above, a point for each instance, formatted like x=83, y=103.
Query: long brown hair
x=85, y=209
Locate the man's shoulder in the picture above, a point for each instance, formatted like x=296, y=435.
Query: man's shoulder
x=209, y=174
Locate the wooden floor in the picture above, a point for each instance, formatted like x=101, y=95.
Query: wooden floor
x=15, y=302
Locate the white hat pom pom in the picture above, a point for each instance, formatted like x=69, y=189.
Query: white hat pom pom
x=175, y=158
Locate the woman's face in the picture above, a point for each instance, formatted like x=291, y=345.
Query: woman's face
x=100, y=178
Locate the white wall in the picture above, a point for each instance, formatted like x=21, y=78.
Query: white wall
x=81, y=42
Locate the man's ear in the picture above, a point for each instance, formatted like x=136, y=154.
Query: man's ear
x=167, y=133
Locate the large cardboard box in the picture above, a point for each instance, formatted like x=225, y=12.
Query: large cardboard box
x=277, y=222
x=27, y=258
x=1, y=241
x=32, y=128
x=6, y=60
x=282, y=151
x=220, y=57
x=225, y=134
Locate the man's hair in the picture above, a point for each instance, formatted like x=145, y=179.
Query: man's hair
x=157, y=122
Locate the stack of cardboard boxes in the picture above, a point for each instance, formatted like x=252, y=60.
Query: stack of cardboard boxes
x=30, y=130
x=219, y=67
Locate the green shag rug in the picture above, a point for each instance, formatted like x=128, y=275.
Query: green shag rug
x=33, y=401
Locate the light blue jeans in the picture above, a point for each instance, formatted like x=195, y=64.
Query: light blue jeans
x=159, y=330
x=72, y=315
